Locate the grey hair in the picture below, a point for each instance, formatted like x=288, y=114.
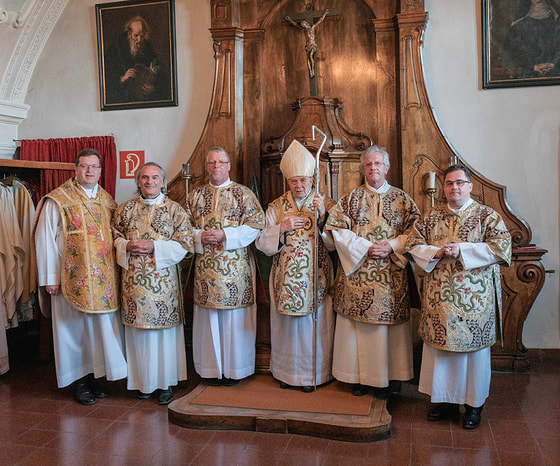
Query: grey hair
x=374, y=150
x=218, y=149
x=163, y=176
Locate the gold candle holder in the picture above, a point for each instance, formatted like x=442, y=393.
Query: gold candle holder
x=186, y=174
x=431, y=193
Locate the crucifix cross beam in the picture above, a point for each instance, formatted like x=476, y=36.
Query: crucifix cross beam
x=307, y=21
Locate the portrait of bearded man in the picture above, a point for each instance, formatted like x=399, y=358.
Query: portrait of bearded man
x=134, y=73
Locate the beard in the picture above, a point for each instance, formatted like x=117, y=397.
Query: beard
x=135, y=48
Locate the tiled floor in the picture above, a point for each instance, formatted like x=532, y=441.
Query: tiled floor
x=40, y=424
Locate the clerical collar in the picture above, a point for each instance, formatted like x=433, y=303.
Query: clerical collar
x=382, y=189
x=90, y=192
x=225, y=183
x=155, y=201
x=463, y=207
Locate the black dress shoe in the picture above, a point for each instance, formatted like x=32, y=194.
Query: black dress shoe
x=215, y=382
x=284, y=385
x=142, y=395
x=307, y=389
x=165, y=396
x=97, y=390
x=229, y=382
x=359, y=389
x=443, y=411
x=471, y=419
x=82, y=393
x=382, y=393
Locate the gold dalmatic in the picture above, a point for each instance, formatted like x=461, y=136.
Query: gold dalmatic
x=89, y=277
x=223, y=278
x=377, y=292
x=292, y=267
x=151, y=297
x=459, y=306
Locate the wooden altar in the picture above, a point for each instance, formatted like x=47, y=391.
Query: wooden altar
x=368, y=87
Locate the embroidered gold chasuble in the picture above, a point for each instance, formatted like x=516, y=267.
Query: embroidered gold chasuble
x=223, y=278
x=292, y=267
x=89, y=279
x=151, y=297
x=459, y=306
x=377, y=291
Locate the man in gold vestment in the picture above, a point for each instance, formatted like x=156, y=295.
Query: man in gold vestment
x=226, y=218
x=373, y=340
x=152, y=235
x=459, y=245
x=77, y=268
x=289, y=236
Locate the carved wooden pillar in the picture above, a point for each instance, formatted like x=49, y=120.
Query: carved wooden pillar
x=387, y=105
x=252, y=103
x=224, y=123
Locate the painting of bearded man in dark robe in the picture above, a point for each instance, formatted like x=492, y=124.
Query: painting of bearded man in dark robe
x=134, y=74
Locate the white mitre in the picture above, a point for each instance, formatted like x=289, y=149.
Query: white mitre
x=297, y=161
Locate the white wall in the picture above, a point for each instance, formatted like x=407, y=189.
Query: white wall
x=508, y=135
x=64, y=91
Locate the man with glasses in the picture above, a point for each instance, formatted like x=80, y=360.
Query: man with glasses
x=77, y=269
x=226, y=218
x=459, y=246
x=373, y=340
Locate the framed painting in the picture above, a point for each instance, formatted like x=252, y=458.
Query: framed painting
x=136, y=53
x=521, y=43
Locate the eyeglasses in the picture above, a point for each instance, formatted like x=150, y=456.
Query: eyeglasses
x=85, y=167
x=460, y=183
x=217, y=163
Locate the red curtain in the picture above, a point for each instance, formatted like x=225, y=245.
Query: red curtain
x=65, y=150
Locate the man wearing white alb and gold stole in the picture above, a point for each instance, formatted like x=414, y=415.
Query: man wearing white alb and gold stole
x=226, y=218
x=459, y=246
x=152, y=235
x=373, y=339
x=289, y=236
x=76, y=266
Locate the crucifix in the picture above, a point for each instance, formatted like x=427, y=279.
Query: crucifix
x=306, y=22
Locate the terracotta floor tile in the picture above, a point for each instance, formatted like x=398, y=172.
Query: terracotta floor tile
x=522, y=458
x=196, y=436
x=272, y=443
x=434, y=437
x=34, y=438
x=69, y=441
x=218, y=454
x=12, y=454
x=308, y=458
x=520, y=425
x=180, y=453
x=513, y=436
x=43, y=456
x=475, y=457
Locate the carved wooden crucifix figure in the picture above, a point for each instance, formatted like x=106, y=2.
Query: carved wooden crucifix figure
x=306, y=22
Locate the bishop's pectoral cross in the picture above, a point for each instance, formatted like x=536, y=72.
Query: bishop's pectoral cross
x=306, y=22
